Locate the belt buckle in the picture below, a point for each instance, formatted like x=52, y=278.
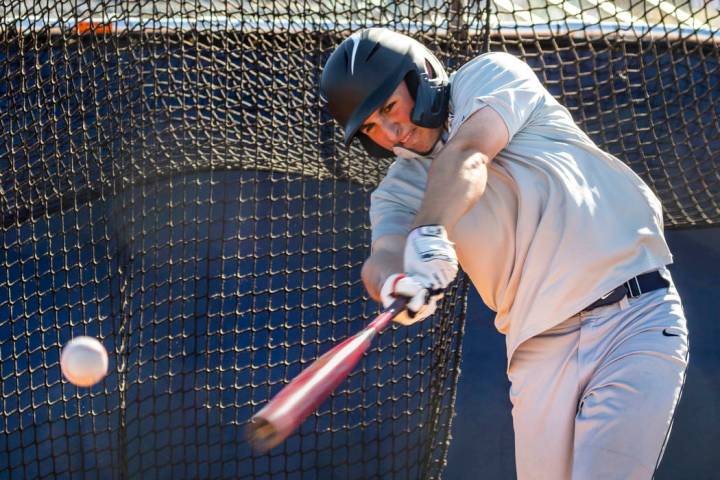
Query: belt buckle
x=633, y=286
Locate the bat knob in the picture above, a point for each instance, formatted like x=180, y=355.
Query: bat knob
x=262, y=434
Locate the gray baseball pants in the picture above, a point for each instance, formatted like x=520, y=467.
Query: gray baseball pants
x=594, y=397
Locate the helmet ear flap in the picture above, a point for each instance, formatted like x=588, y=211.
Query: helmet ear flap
x=431, y=99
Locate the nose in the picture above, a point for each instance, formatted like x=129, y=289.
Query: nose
x=391, y=130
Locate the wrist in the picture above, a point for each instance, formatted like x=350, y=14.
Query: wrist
x=430, y=256
x=430, y=229
x=426, y=242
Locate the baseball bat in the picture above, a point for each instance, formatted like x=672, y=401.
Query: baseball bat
x=298, y=399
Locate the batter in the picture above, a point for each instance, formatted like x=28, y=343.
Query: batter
x=561, y=239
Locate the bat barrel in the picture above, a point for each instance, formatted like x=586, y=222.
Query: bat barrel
x=291, y=406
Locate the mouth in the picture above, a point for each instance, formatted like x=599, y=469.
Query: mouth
x=406, y=138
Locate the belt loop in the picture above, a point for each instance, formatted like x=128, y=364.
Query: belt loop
x=633, y=286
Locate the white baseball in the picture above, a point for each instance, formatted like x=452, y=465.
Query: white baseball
x=84, y=361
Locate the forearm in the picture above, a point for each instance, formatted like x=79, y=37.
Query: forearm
x=456, y=181
x=457, y=177
x=378, y=267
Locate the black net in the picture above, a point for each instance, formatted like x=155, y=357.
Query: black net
x=172, y=186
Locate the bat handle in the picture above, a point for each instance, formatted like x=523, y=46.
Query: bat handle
x=384, y=319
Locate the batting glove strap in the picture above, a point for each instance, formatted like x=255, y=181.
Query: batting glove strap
x=421, y=302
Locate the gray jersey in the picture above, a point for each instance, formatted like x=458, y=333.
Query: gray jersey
x=561, y=222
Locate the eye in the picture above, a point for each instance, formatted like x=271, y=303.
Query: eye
x=366, y=128
x=388, y=108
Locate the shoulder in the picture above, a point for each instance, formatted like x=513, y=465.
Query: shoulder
x=490, y=68
x=403, y=168
x=404, y=177
x=490, y=60
x=502, y=82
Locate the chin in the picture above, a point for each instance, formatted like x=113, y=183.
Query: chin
x=426, y=147
x=424, y=151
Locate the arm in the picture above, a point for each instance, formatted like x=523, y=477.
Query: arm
x=386, y=259
x=456, y=181
x=457, y=177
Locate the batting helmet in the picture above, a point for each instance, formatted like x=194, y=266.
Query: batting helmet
x=367, y=68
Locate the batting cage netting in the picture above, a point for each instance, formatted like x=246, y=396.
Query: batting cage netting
x=172, y=186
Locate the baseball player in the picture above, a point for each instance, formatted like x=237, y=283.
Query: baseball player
x=561, y=239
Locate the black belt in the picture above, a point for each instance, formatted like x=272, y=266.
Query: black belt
x=636, y=286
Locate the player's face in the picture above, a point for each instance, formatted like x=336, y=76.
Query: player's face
x=390, y=125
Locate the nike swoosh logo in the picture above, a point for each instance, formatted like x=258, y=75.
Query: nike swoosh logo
x=356, y=42
x=669, y=333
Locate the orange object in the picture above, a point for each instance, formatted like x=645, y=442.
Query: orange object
x=88, y=26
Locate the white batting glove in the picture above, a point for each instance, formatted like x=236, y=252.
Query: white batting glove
x=429, y=255
x=421, y=302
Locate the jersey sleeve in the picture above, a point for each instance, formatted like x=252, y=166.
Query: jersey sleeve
x=396, y=201
x=500, y=81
